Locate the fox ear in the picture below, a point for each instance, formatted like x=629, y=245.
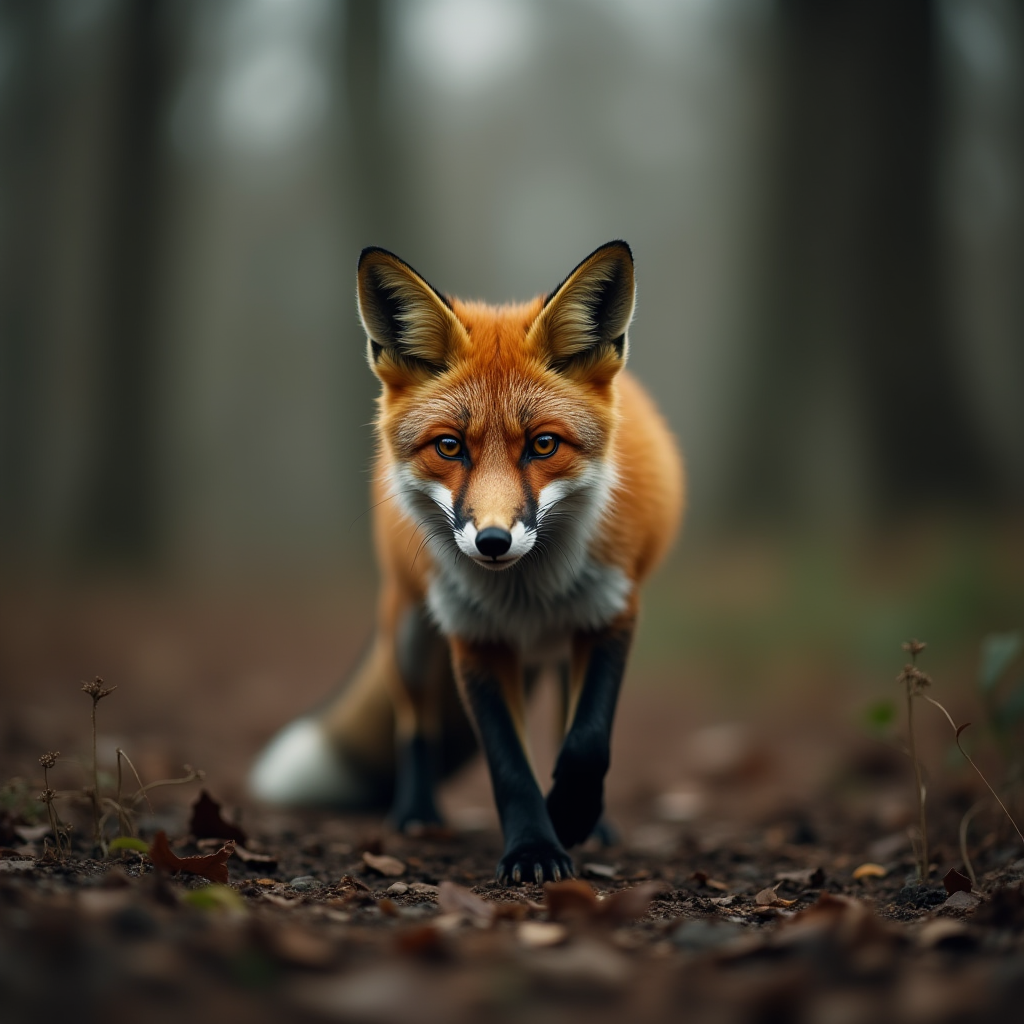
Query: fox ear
x=581, y=331
x=412, y=332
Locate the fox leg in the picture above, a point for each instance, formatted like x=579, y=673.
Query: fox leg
x=576, y=800
x=422, y=663
x=491, y=683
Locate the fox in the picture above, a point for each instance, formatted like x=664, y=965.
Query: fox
x=525, y=486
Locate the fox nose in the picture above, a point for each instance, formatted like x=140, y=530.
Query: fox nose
x=493, y=541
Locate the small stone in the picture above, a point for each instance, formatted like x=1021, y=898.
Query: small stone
x=397, y=889
x=960, y=900
x=305, y=883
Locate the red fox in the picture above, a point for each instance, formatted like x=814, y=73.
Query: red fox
x=525, y=486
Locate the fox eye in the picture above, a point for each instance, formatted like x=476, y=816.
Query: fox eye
x=449, y=447
x=544, y=445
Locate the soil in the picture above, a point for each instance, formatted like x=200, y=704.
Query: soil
x=771, y=872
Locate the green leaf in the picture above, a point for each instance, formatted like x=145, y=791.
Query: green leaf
x=880, y=715
x=216, y=897
x=128, y=843
x=998, y=652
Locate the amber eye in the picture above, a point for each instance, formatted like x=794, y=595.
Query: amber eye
x=449, y=447
x=544, y=445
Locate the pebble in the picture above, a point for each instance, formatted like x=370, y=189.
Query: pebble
x=306, y=882
x=398, y=889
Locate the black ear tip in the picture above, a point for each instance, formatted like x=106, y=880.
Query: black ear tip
x=622, y=245
x=373, y=250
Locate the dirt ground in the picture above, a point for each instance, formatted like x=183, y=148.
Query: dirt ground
x=766, y=856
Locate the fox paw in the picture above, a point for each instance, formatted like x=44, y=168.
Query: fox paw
x=537, y=861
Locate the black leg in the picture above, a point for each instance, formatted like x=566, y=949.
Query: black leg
x=576, y=800
x=532, y=850
x=414, y=786
x=422, y=657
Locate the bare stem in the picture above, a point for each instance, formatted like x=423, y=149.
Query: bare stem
x=957, y=730
x=965, y=822
x=95, y=779
x=922, y=866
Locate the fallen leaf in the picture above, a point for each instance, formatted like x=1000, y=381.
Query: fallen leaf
x=570, y=899
x=248, y=857
x=456, y=899
x=770, y=898
x=869, y=870
x=810, y=878
x=214, y=866
x=424, y=888
x=701, y=878
x=541, y=934
x=208, y=823
x=575, y=900
x=129, y=843
x=383, y=864
x=722, y=901
x=388, y=907
x=425, y=941
x=956, y=882
x=628, y=905
x=216, y=897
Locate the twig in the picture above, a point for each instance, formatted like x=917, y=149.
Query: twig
x=957, y=730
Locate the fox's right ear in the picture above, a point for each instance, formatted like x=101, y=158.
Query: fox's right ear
x=412, y=332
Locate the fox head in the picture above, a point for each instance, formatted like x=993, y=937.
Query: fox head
x=497, y=422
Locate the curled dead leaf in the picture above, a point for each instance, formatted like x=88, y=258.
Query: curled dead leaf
x=575, y=900
x=213, y=866
x=869, y=870
x=954, y=881
x=383, y=864
x=541, y=934
x=456, y=899
x=207, y=822
x=809, y=878
x=770, y=898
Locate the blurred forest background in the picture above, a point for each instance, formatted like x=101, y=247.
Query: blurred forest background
x=825, y=200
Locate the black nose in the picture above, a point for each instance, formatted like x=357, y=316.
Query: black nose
x=493, y=541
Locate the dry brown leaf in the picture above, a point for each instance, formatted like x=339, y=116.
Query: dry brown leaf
x=574, y=900
x=541, y=934
x=426, y=941
x=248, y=857
x=955, y=882
x=628, y=905
x=383, y=864
x=214, y=866
x=456, y=899
x=388, y=907
x=571, y=899
x=208, y=823
x=869, y=870
x=770, y=898
x=809, y=878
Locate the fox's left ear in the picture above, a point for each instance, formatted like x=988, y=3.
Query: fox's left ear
x=411, y=330
x=581, y=331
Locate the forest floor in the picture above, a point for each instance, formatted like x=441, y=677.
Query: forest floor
x=764, y=860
